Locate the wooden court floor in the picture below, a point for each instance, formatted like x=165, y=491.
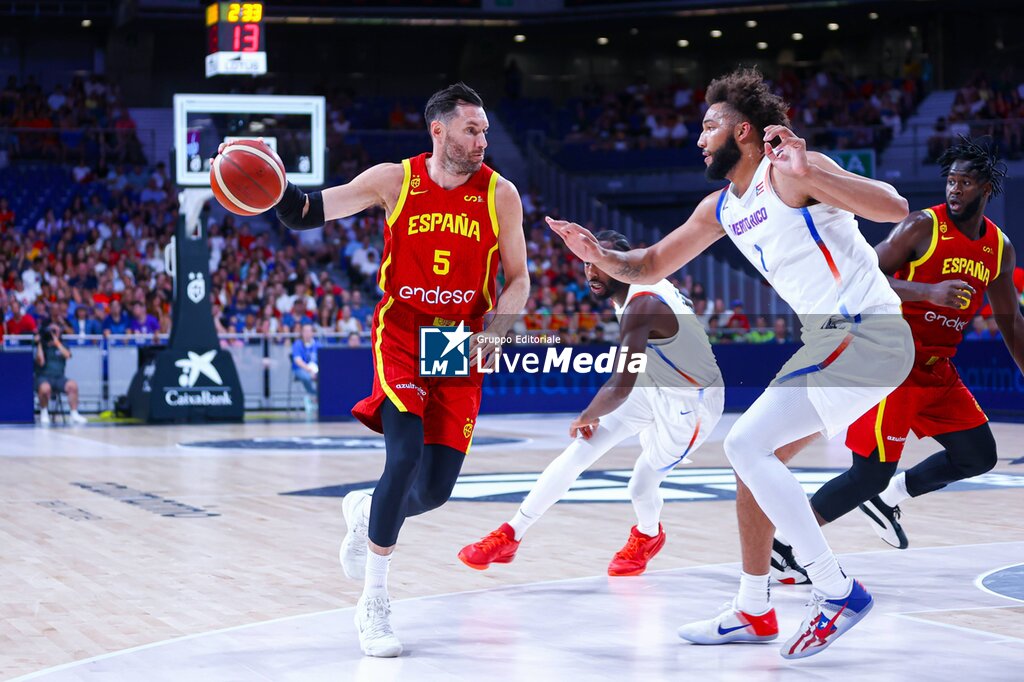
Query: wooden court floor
x=113, y=537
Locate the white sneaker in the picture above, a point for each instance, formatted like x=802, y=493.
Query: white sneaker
x=885, y=521
x=77, y=418
x=352, y=554
x=44, y=417
x=732, y=625
x=373, y=622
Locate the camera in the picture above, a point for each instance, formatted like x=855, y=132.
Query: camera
x=47, y=334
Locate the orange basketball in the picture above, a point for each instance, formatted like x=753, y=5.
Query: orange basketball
x=247, y=177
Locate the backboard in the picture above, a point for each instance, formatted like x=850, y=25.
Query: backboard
x=291, y=125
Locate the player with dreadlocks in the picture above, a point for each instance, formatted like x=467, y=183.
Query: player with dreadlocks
x=940, y=261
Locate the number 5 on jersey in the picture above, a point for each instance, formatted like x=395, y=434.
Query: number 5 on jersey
x=441, y=263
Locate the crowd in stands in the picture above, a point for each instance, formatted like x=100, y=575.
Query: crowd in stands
x=85, y=123
x=834, y=110
x=95, y=266
x=983, y=106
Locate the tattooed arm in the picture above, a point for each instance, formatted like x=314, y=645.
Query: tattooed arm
x=650, y=265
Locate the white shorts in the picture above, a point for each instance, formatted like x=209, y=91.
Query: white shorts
x=848, y=367
x=672, y=422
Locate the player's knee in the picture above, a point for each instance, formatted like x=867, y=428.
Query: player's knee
x=71, y=386
x=432, y=498
x=740, y=447
x=44, y=389
x=637, y=490
x=869, y=477
x=400, y=468
x=976, y=460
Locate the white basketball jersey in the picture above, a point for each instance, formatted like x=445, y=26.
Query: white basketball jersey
x=683, y=360
x=815, y=257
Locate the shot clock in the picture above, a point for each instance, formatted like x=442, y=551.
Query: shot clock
x=235, y=43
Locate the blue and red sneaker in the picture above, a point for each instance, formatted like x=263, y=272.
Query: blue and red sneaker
x=826, y=620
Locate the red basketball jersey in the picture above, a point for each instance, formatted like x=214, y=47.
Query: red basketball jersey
x=951, y=255
x=441, y=246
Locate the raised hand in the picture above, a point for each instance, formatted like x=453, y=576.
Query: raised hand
x=953, y=293
x=578, y=238
x=790, y=156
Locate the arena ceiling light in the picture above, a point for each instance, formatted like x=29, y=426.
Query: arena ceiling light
x=519, y=38
x=751, y=23
x=872, y=15
x=762, y=45
x=86, y=23
x=602, y=41
x=683, y=42
x=798, y=36
x=833, y=26
x=715, y=33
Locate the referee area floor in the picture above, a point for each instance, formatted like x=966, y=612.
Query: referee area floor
x=210, y=553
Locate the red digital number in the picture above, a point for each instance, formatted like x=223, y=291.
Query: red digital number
x=246, y=38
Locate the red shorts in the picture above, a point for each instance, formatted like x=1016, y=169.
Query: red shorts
x=932, y=401
x=447, y=405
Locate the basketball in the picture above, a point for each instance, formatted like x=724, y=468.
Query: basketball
x=248, y=177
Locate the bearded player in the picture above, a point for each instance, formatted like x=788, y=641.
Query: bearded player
x=450, y=221
x=790, y=212
x=941, y=261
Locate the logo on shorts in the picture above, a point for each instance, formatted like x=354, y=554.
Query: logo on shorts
x=467, y=430
x=444, y=351
x=412, y=387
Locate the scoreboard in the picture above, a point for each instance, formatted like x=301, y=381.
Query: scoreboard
x=235, y=41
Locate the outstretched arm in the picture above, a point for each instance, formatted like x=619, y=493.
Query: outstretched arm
x=640, y=318
x=1002, y=295
x=814, y=175
x=655, y=263
x=378, y=185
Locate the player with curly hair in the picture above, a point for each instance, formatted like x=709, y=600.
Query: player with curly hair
x=791, y=212
x=941, y=261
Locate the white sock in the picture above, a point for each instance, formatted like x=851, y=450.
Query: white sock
x=44, y=413
x=649, y=531
x=896, y=491
x=375, y=584
x=74, y=413
x=754, y=596
x=827, y=575
x=521, y=523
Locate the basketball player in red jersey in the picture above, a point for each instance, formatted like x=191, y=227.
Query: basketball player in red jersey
x=941, y=261
x=451, y=221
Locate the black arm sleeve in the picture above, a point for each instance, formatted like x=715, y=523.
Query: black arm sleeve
x=289, y=209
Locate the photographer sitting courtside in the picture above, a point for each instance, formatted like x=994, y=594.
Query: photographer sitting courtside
x=51, y=357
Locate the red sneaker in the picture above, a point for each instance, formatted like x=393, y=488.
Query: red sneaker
x=497, y=548
x=632, y=559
